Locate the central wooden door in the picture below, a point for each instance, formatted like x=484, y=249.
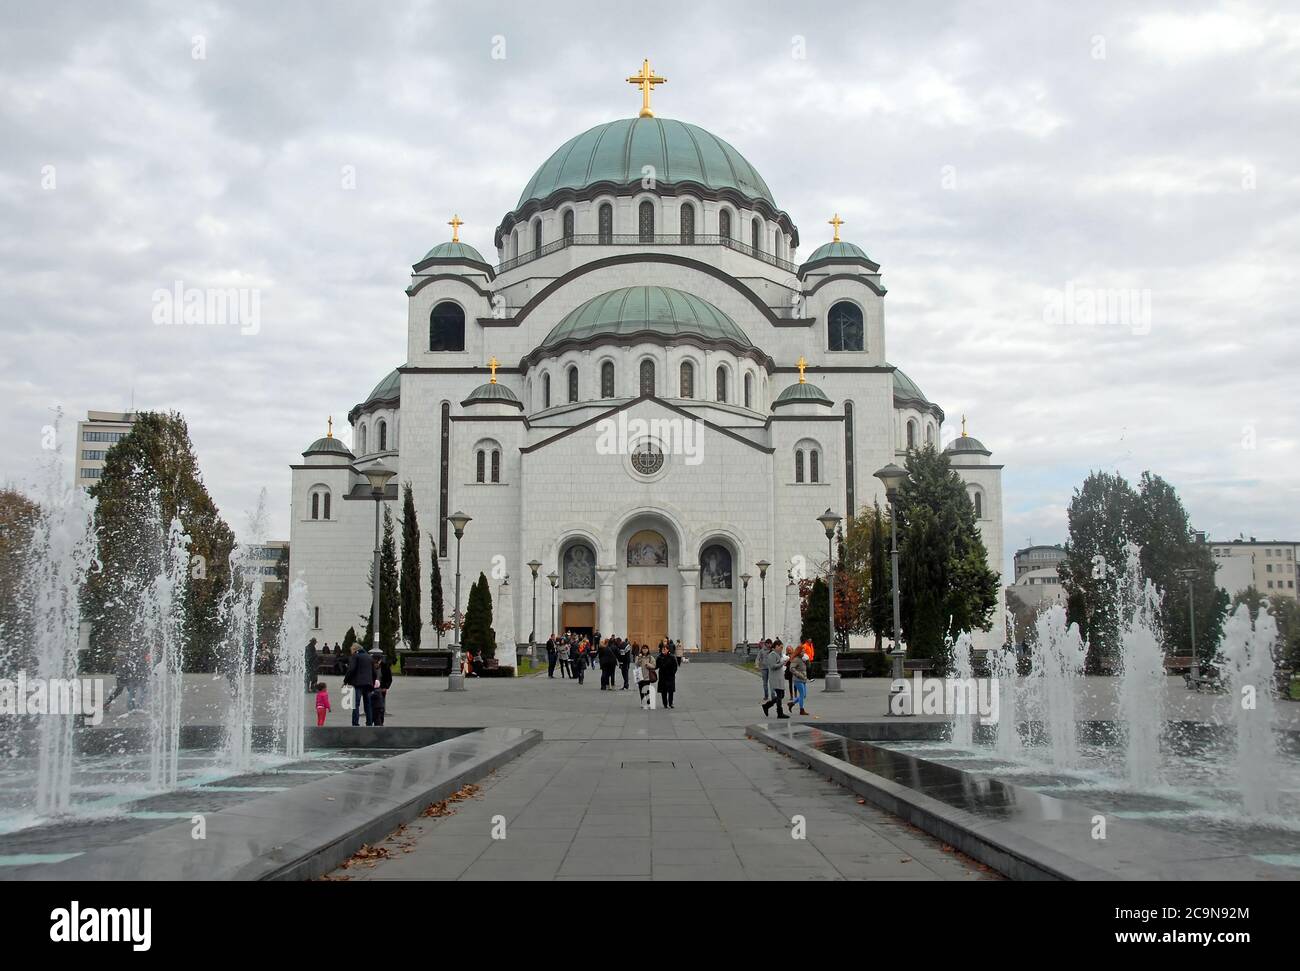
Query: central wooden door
x=580, y=617
x=647, y=614
x=715, y=627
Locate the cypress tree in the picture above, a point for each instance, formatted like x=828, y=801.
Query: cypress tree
x=882, y=603
x=437, y=608
x=817, y=619
x=410, y=580
x=390, y=607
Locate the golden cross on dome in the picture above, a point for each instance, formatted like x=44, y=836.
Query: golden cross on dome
x=802, y=364
x=494, y=364
x=455, y=224
x=646, y=81
x=330, y=425
x=963, y=426
x=837, y=222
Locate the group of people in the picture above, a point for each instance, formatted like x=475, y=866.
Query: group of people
x=778, y=663
x=369, y=675
x=656, y=671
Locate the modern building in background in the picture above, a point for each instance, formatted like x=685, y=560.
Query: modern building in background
x=95, y=436
x=269, y=560
x=1267, y=565
x=1036, y=579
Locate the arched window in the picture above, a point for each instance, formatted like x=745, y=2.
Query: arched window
x=383, y=435
x=447, y=328
x=724, y=223
x=979, y=505
x=320, y=502
x=647, y=377
x=749, y=391
x=720, y=383
x=715, y=567
x=607, y=379
x=929, y=434
x=605, y=223
x=573, y=384
x=688, y=224
x=537, y=237
x=687, y=380
x=756, y=234
x=315, y=505
x=813, y=461
x=327, y=506
x=646, y=221
x=911, y=433
x=578, y=568
x=496, y=465
x=798, y=465
x=480, y=465
x=546, y=391
x=807, y=459
x=362, y=439
x=568, y=225
x=845, y=327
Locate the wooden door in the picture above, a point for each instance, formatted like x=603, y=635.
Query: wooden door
x=578, y=617
x=715, y=627
x=647, y=614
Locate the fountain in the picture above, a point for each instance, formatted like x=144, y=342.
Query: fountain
x=1248, y=670
x=963, y=671
x=1058, y=655
x=1142, y=675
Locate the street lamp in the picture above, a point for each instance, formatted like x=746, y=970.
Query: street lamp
x=533, y=565
x=829, y=521
x=555, y=579
x=456, y=680
x=893, y=477
x=378, y=474
x=1189, y=574
x=744, y=579
x=762, y=576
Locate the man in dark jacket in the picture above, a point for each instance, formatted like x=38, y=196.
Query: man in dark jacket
x=550, y=656
x=361, y=675
x=624, y=654
x=666, y=665
x=309, y=672
x=608, y=662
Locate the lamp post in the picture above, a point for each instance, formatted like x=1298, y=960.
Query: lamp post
x=1189, y=574
x=378, y=474
x=893, y=477
x=555, y=579
x=456, y=680
x=533, y=565
x=744, y=580
x=829, y=521
x=762, y=576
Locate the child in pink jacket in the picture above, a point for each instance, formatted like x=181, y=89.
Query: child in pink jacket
x=322, y=704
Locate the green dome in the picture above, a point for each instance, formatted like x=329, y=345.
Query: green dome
x=798, y=393
x=906, y=390
x=965, y=443
x=493, y=393
x=653, y=311
x=328, y=446
x=617, y=152
x=455, y=251
x=837, y=251
x=389, y=388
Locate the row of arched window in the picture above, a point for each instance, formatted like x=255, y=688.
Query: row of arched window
x=381, y=437
x=812, y=456
x=320, y=502
x=647, y=384
x=487, y=462
x=914, y=433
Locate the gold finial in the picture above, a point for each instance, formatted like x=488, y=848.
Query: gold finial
x=646, y=80
x=330, y=426
x=455, y=223
x=494, y=364
x=963, y=426
x=837, y=222
x=802, y=364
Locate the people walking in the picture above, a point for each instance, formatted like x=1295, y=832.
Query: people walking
x=624, y=654
x=774, y=662
x=666, y=666
x=760, y=662
x=361, y=676
x=550, y=656
x=608, y=664
x=645, y=676
x=799, y=672
x=582, y=660
x=562, y=652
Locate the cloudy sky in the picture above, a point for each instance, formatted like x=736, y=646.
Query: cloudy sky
x=1006, y=164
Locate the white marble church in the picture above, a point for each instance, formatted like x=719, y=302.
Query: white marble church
x=649, y=393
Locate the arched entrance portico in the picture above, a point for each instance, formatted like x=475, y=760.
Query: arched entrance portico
x=647, y=583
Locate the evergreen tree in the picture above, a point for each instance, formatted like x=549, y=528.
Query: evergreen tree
x=477, y=633
x=945, y=584
x=389, y=596
x=410, y=580
x=150, y=477
x=437, y=608
x=349, y=639
x=816, y=619
x=1101, y=518
x=18, y=520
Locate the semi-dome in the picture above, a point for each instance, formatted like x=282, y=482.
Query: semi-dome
x=617, y=152
x=455, y=251
x=967, y=443
x=492, y=393
x=329, y=445
x=652, y=312
x=801, y=392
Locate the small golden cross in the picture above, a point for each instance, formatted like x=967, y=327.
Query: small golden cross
x=837, y=222
x=455, y=224
x=802, y=364
x=494, y=364
x=330, y=433
x=963, y=426
x=646, y=80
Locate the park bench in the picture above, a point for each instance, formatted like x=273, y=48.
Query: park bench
x=426, y=664
x=922, y=664
x=851, y=664
x=1175, y=663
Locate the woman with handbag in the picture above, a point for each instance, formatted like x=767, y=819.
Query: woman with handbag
x=667, y=671
x=645, y=676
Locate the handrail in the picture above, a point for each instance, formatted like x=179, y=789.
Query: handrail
x=636, y=239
